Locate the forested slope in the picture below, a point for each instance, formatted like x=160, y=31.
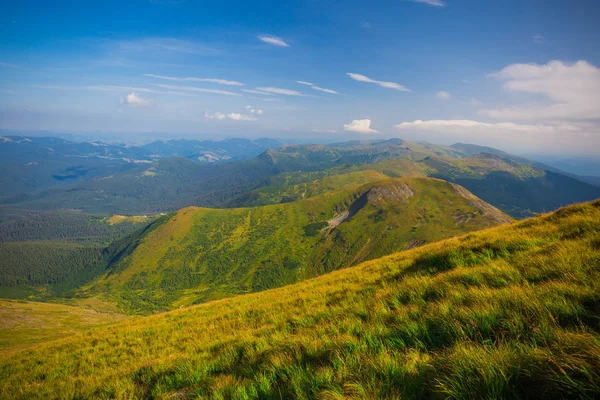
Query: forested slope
x=509, y=312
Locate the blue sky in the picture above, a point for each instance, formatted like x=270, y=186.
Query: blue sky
x=519, y=75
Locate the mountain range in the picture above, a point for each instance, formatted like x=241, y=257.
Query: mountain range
x=517, y=186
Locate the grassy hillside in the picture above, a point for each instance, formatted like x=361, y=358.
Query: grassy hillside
x=510, y=312
x=23, y=324
x=293, y=186
x=201, y=254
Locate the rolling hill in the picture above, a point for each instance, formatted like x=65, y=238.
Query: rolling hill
x=509, y=312
x=201, y=254
x=517, y=186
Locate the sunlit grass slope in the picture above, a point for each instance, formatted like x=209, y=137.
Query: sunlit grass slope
x=23, y=324
x=509, y=312
x=202, y=254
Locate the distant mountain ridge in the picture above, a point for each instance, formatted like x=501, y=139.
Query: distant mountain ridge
x=32, y=164
x=517, y=186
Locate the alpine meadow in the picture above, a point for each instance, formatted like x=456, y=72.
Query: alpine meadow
x=304, y=200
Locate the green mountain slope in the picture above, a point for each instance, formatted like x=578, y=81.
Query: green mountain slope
x=515, y=185
x=200, y=254
x=71, y=226
x=520, y=189
x=177, y=182
x=509, y=312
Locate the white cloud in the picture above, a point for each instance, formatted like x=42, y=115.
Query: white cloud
x=157, y=45
x=315, y=87
x=268, y=99
x=209, y=80
x=254, y=110
x=231, y=116
x=135, y=101
x=195, y=89
x=462, y=124
x=574, y=137
x=436, y=3
x=389, y=85
x=7, y=65
x=240, y=117
x=286, y=92
x=320, y=89
x=538, y=38
x=571, y=91
x=324, y=130
x=360, y=125
x=443, y=95
x=257, y=92
x=111, y=88
x=274, y=40
x=214, y=116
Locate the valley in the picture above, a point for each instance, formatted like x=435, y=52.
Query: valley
x=508, y=311
x=287, y=273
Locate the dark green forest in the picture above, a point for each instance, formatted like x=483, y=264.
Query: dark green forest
x=67, y=226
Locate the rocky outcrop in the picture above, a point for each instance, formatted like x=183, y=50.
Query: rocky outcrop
x=488, y=210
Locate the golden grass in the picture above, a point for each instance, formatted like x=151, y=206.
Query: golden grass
x=24, y=324
x=509, y=312
x=119, y=219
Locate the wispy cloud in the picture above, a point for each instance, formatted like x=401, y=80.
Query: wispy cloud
x=257, y=92
x=538, y=38
x=274, y=40
x=254, y=110
x=8, y=65
x=187, y=79
x=436, y=3
x=533, y=137
x=360, y=126
x=232, y=116
x=315, y=87
x=267, y=99
x=388, y=85
x=196, y=89
x=443, y=95
x=135, y=101
x=111, y=88
x=285, y=92
x=164, y=45
x=445, y=125
x=324, y=130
